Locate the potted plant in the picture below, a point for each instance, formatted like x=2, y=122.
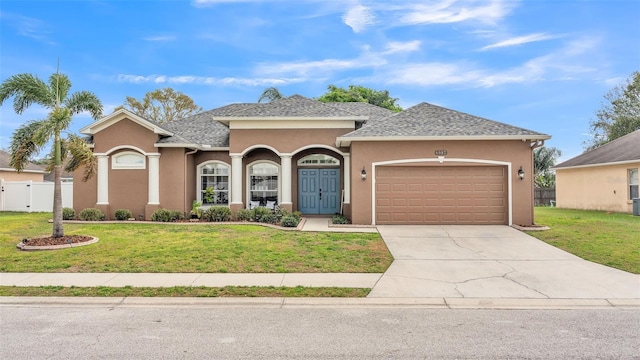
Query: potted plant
x=196, y=212
x=209, y=195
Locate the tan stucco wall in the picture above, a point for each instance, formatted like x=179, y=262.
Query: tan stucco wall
x=518, y=153
x=23, y=176
x=283, y=140
x=85, y=194
x=172, y=179
x=595, y=188
x=125, y=132
x=128, y=189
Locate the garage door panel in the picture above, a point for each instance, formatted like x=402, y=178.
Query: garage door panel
x=441, y=195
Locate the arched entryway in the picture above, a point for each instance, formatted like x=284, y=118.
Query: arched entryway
x=319, y=190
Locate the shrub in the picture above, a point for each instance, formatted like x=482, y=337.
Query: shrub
x=297, y=215
x=123, y=214
x=91, y=214
x=244, y=215
x=269, y=218
x=68, y=213
x=166, y=215
x=217, y=214
x=339, y=219
x=289, y=221
x=259, y=212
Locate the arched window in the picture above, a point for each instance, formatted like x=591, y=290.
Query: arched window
x=263, y=185
x=128, y=160
x=213, y=182
x=318, y=160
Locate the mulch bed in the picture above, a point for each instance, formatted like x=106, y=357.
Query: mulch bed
x=48, y=241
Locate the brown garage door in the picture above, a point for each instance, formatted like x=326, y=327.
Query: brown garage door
x=441, y=195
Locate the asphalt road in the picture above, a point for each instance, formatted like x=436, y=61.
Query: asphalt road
x=251, y=332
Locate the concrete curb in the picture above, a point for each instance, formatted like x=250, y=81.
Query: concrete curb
x=337, y=303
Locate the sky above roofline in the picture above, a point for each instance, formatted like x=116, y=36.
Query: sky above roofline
x=539, y=65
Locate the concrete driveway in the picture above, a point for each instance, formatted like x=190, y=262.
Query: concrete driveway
x=491, y=262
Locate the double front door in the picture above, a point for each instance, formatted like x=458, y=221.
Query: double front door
x=319, y=191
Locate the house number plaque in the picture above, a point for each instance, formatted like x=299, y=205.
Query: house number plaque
x=440, y=152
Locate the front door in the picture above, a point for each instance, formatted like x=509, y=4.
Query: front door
x=319, y=191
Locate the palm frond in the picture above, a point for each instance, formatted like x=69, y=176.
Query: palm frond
x=26, y=90
x=80, y=154
x=59, y=85
x=24, y=144
x=84, y=101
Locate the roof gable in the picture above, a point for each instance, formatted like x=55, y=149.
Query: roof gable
x=426, y=121
x=119, y=115
x=623, y=149
x=296, y=106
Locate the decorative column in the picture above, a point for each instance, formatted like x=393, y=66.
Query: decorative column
x=285, y=163
x=154, y=179
x=236, y=180
x=103, y=179
x=347, y=178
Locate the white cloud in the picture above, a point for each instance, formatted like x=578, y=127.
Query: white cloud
x=395, y=47
x=28, y=27
x=203, y=80
x=519, y=40
x=358, y=18
x=160, y=38
x=453, y=11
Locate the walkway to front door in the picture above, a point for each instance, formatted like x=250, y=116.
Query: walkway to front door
x=318, y=191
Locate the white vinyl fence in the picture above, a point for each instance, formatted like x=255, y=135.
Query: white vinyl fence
x=32, y=196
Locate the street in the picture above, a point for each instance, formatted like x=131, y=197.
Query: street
x=253, y=332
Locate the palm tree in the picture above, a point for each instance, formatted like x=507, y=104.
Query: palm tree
x=544, y=159
x=270, y=94
x=30, y=138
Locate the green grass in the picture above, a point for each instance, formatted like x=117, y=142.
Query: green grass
x=131, y=247
x=182, y=291
x=611, y=239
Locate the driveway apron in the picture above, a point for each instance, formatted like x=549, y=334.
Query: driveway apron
x=491, y=262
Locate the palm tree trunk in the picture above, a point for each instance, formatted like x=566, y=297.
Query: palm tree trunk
x=58, y=230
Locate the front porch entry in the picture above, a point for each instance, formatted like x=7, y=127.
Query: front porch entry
x=319, y=191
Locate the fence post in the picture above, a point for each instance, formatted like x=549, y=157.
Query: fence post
x=1, y=194
x=29, y=195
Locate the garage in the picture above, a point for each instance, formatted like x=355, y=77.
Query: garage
x=441, y=195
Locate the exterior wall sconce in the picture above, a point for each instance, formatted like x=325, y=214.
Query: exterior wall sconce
x=363, y=174
x=521, y=173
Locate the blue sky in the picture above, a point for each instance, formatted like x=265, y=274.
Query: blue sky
x=541, y=65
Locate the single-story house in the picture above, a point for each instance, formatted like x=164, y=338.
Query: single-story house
x=31, y=171
x=605, y=178
x=424, y=165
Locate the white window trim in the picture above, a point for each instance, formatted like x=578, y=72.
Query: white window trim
x=199, y=181
x=248, y=179
x=298, y=163
x=629, y=184
x=116, y=166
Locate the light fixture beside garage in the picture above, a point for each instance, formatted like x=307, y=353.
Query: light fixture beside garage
x=363, y=174
x=521, y=173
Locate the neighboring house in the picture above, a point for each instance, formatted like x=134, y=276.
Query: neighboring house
x=605, y=178
x=31, y=172
x=424, y=165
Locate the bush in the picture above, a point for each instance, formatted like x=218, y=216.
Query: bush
x=68, y=213
x=217, y=214
x=259, y=212
x=297, y=215
x=123, y=214
x=289, y=221
x=166, y=215
x=91, y=214
x=244, y=215
x=269, y=218
x=339, y=219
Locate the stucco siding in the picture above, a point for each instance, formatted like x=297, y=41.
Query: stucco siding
x=595, y=188
x=283, y=140
x=172, y=179
x=23, y=176
x=517, y=153
x=125, y=132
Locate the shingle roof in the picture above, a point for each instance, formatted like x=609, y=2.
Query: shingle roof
x=626, y=148
x=374, y=112
x=201, y=129
x=4, y=163
x=427, y=120
x=293, y=106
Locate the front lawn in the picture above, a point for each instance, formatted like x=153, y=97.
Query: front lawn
x=611, y=239
x=134, y=247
